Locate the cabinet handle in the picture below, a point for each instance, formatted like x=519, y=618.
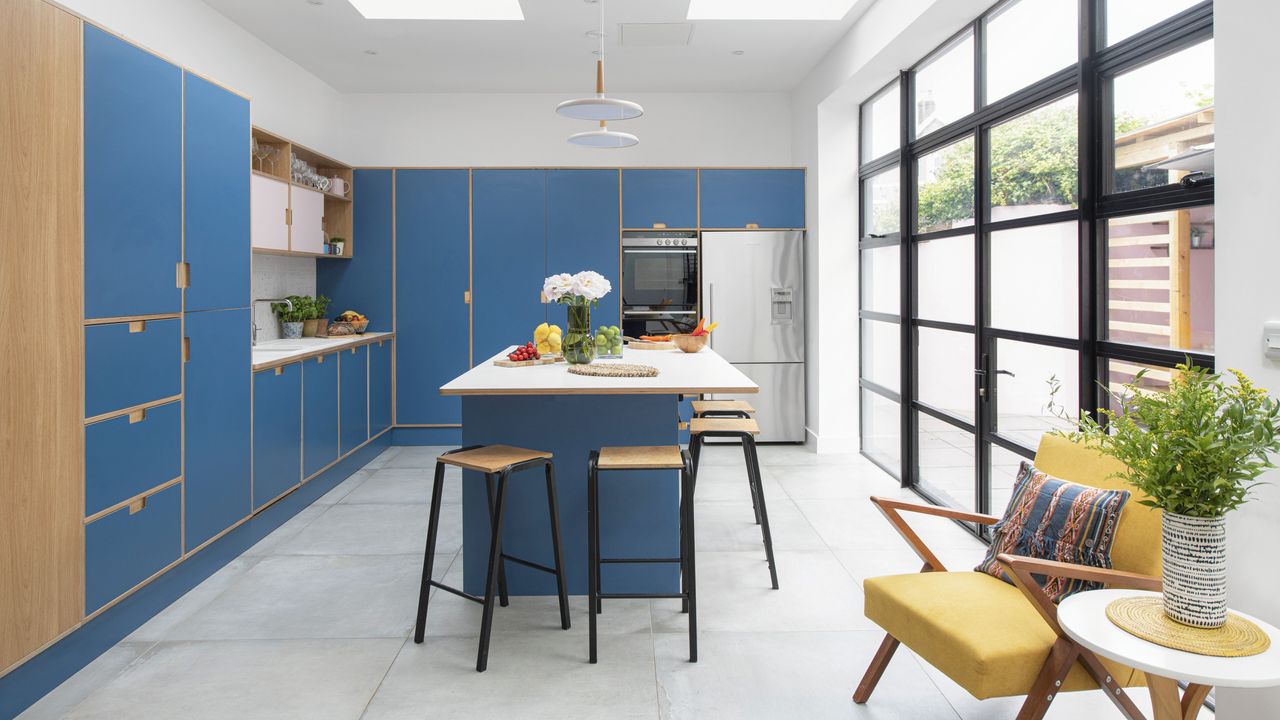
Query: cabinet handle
x=138, y=326
x=320, y=360
x=186, y=349
x=659, y=226
x=288, y=216
x=280, y=370
x=137, y=416
x=466, y=297
x=753, y=226
x=184, y=275
x=137, y=506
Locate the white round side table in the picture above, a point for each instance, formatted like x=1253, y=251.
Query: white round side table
x=1083, y=617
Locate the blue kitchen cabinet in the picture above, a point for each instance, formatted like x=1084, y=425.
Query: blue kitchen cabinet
x=765, y=198
x=508, y=258
x=217, y=399
x=433, y=322
x=130, y=545
x=131, y=363
x=380, y=386
x=277, y=432
x=128, y=455
x=132, y=179
x=660, y=197
x=216, y=195
x=582, y=234
x=364, y=282
x=320, y=413
x=353, y=371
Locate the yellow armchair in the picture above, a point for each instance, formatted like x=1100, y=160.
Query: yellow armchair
x=995, y=639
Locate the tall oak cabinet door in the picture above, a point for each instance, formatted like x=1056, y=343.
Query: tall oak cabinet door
x=269, y=213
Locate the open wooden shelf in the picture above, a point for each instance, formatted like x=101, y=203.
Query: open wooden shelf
x=338, y=218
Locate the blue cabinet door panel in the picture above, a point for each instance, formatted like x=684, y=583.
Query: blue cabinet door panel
x=319, y=413
x=353, y=367
x=123, y=368
x=508, y=258
x=669, y=197
x=433, y=274
x=582, y=234
x=363, y=283
x=217, y=397
x=124, y=459
x=126, y=547
x=277, y=432
x=132, y=179
x=737, y=198
x=380, y=386
x=216, y=214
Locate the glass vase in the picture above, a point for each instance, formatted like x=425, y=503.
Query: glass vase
x=579, y=346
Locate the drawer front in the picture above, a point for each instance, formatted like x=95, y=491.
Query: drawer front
x=125, y=368
x=320, y=413
x=353, y=365
x=124, y=548
x=277, y=432
x=126, y=456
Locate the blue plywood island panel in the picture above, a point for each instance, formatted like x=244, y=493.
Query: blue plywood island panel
x=638, y=510
x=767, y=198
x=582, y=234
x=668, y=197
x=363, y=283
x=508, y=258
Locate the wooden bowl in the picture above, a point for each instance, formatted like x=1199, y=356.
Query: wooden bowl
x=689, y=343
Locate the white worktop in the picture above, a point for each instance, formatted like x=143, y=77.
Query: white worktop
x=678, y=373
x=273, y=353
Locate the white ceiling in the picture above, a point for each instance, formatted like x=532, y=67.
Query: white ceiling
x=547, y=52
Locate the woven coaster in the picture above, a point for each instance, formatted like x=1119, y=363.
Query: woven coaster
x=1144, y=617
x=614, y=370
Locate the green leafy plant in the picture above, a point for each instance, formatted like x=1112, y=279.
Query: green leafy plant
x=1196, y=449
x=300, y=311
x=320, y=306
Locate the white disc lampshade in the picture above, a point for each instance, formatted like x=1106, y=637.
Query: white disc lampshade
x=604, y=138
x=600, y=108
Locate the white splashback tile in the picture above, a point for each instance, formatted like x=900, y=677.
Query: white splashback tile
x=275, y=276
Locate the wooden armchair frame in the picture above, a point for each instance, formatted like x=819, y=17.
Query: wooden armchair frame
x=1065, y=651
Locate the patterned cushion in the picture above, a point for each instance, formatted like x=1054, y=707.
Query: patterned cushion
x=1053, y=519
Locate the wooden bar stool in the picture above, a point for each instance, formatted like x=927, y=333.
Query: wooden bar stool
x=498, y=461
x=723, y=408
x=744, y=431
x=664, y=457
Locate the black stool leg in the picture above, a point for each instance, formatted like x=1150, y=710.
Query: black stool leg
x=593, y=552
x=695, y=450
x=561, y=587
x=491, y=577
x=428, y=559
x=684, y=548
x=502, y=564
x=688, y=555
x=753, y=468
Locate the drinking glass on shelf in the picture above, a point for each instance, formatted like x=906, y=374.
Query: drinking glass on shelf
x=260, y=152
x=272, y=152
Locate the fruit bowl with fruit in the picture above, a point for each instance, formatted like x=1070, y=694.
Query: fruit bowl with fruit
x=355, y=320
x=608, y=341
x=548, y=339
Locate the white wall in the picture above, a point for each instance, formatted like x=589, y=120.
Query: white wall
x=1247, y=293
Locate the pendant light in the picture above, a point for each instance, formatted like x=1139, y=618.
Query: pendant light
x=601, y=108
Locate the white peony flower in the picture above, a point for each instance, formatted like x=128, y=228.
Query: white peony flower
x=591, y=285
x=557, y=286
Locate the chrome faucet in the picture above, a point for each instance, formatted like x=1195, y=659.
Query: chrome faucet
x=254, y=306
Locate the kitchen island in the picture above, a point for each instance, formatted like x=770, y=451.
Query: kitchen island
x=544, y=407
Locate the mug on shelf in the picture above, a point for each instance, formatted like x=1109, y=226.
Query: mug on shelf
x=338, y=186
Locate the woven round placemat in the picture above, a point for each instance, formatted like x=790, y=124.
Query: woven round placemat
x=1144, y=617
x=614, y=370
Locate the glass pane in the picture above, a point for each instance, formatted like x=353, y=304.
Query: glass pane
x=881, y=354
x=1028, y=40
x=1118, y=372
x=881, y=127
x=882, y=431
x=881, y=201
x=945, y=188
x=947, y=461
x=1164, y=125
x=881, y=280
x=1022, y=399
x=1160, y=279
x=945, y=365
x=1004, y=471
x=1035, y=282
x=944, y=87
x=1126, y=17
x=944, y=285
x=1034, y=162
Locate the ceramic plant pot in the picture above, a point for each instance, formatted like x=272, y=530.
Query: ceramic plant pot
x=309, y=328
x=291, y=330
x=1194, y=553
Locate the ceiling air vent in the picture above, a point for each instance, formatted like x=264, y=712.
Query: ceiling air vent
x=655, y=34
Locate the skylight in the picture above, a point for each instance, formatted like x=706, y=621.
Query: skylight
x=439, y=9
x=768, y=9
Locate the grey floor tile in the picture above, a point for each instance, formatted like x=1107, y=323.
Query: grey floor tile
x=788, y=675
x=531, y=675
x=731, y=526
x=199, y=597
x=833, y=481
x=422, y=456
x=345, y=487
x=294, y=525
x=406, y=485
x=91, y=677
x=383, y=458
x=799, y=455
x=264, y=680
x=350, y=529
x=729, y=483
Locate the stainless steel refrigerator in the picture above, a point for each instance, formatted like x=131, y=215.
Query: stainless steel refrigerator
x=752, y=284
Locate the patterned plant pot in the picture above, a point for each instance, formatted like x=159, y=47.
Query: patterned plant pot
x=292, y=330
x=1194, y=552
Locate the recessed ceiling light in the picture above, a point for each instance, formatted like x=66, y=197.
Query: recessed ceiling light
x=739, y=52
x=370, y=52
x=768, y=9
x=315, y=2
x=439, y=9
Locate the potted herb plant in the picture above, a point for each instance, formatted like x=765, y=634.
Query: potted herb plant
x=1196, y=450
x=291, y=315
x=336, y=245
x=320, y=306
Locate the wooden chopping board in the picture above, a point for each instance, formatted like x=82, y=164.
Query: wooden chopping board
x=649, y=345
x=524, y=363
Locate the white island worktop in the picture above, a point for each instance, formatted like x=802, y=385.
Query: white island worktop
x=678, y=374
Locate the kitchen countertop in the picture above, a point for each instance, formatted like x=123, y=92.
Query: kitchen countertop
x=678, y=373
x=274, y=353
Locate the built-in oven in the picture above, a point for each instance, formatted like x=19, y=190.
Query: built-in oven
x=659, y=282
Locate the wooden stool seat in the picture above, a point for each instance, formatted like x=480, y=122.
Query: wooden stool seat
x=647, y=457
x=698, y=426
x=491, y=458
x=705, y=406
